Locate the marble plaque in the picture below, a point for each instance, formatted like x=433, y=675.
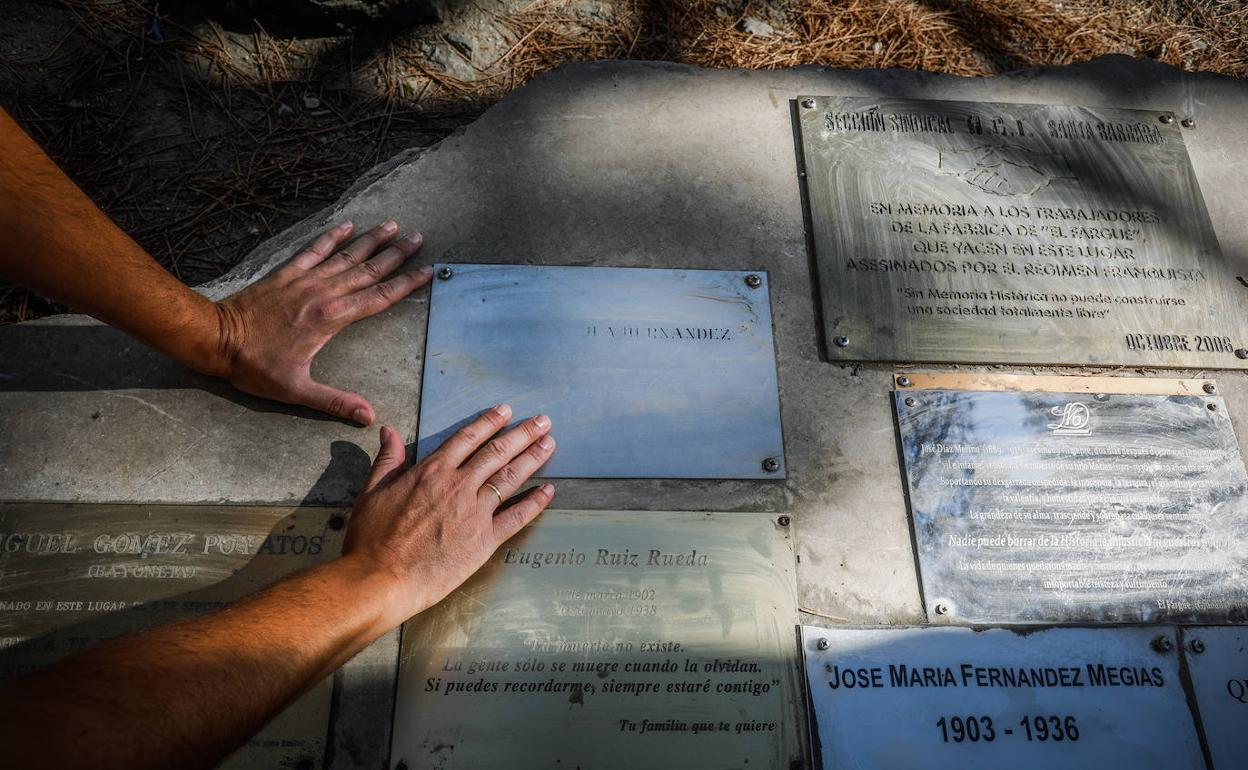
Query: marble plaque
x=1014, y=233
x=1217, y=661
x=955, y=698
x=645, y=373
x=74, y=575
x=1075, y=507
x=611, y=640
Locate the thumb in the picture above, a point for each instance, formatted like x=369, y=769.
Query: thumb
x=335, y=401
x=389, y=460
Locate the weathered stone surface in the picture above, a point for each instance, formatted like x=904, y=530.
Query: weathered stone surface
x=631, y=164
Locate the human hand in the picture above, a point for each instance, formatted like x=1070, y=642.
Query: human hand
x=271, y=330
x=432, y=526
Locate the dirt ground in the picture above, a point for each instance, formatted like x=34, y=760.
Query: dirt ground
x=202, y=130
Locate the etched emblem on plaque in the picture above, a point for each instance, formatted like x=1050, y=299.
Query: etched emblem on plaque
x=973, y=232
x=1073, y=419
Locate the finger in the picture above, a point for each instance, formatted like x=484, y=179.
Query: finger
x=358, y=250
x=501, y=450
x=389, y=461
x=368, y=273
x=321, y=248
x=468, y=439
x=517, y=516
x=378, y=297
x=512, y=476
x=335, y=401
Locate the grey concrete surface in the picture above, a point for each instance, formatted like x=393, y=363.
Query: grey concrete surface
x=630, y=164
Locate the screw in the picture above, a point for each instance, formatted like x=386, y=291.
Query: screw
x=828, y=667
x=1211, y=407
x=910, y=401
x=753, y=281
x=1211, y=388
x=942, y=608
x=783, y=521
x=1241, y=352
x=808, y=103
x=1196, y=646
x=1187, y=123
x=841, y=341
x=771, y=465
x=823, y=644
x=1167, y=118
x=1101, y=397
x=903, y=381
x=1163, y=644
x=445, y=273
x=337, y=521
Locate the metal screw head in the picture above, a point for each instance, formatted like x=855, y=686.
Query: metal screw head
x=1101, y=397
x=1241, y=352
x=1187, y=123
x=783, y=521
x=1210, y=387
x=771, y=465
x=823, y=644
x=1167, y=118
x=1163, y=644
x=337, y=521
x=841, y=341
x=1196, y=646
x=911, y=401
x=753, y=280
x=445, y=273
x=903, y=381
x=941, y=608
x=1211, y=407
x=808, y=103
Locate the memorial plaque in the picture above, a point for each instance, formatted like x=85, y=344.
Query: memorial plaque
x=611, y=640
x=74, y=575
x=1073, y=507
x=1217, y=661
x=962, y=699
x=645, y=373
x=1014, y=233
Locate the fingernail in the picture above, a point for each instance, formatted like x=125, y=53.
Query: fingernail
x=546, y=443
x=414, y=238
x=542, y=421
x=502, y=410
x=346, y=225
x=426, y=270
x=390, y=226
x=384, y=430
x=548, y=489
x=361, y=416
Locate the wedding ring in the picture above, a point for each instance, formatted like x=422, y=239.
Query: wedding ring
x=494, y=489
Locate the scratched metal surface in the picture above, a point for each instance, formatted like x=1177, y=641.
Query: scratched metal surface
x=644, y=373
x=1137, y=718
x=1146, y=237
x=74, y=575
x=739, y=608
x=1068, y=507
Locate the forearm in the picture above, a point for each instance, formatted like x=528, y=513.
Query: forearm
x=186, y=694
x=55, y=240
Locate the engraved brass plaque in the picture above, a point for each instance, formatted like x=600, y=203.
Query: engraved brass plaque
x=644, y=373
x=1013, y=233
x=1071, y=507
x=955, y=698
x=611, y=640
x=74, y=575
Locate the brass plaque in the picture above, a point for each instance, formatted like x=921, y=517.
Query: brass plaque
x=1070, y=507
x=74, y=575
x=970, y=232
x=611, y=640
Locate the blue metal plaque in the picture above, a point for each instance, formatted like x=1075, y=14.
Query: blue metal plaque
x=962, y=699
x=644, y=373
x=1217, y=660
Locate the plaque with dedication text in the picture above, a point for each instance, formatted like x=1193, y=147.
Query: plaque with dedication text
x=74, y=575
x=1039, y=507
x=611, y=640
x=1013, y=233
x=955, y=698
x=644, y=373
x=1217, y=662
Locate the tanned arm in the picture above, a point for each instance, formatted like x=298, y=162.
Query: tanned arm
x=54, y=240
x=187, y=694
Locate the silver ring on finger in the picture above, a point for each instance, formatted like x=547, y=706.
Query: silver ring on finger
x=497, y=494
